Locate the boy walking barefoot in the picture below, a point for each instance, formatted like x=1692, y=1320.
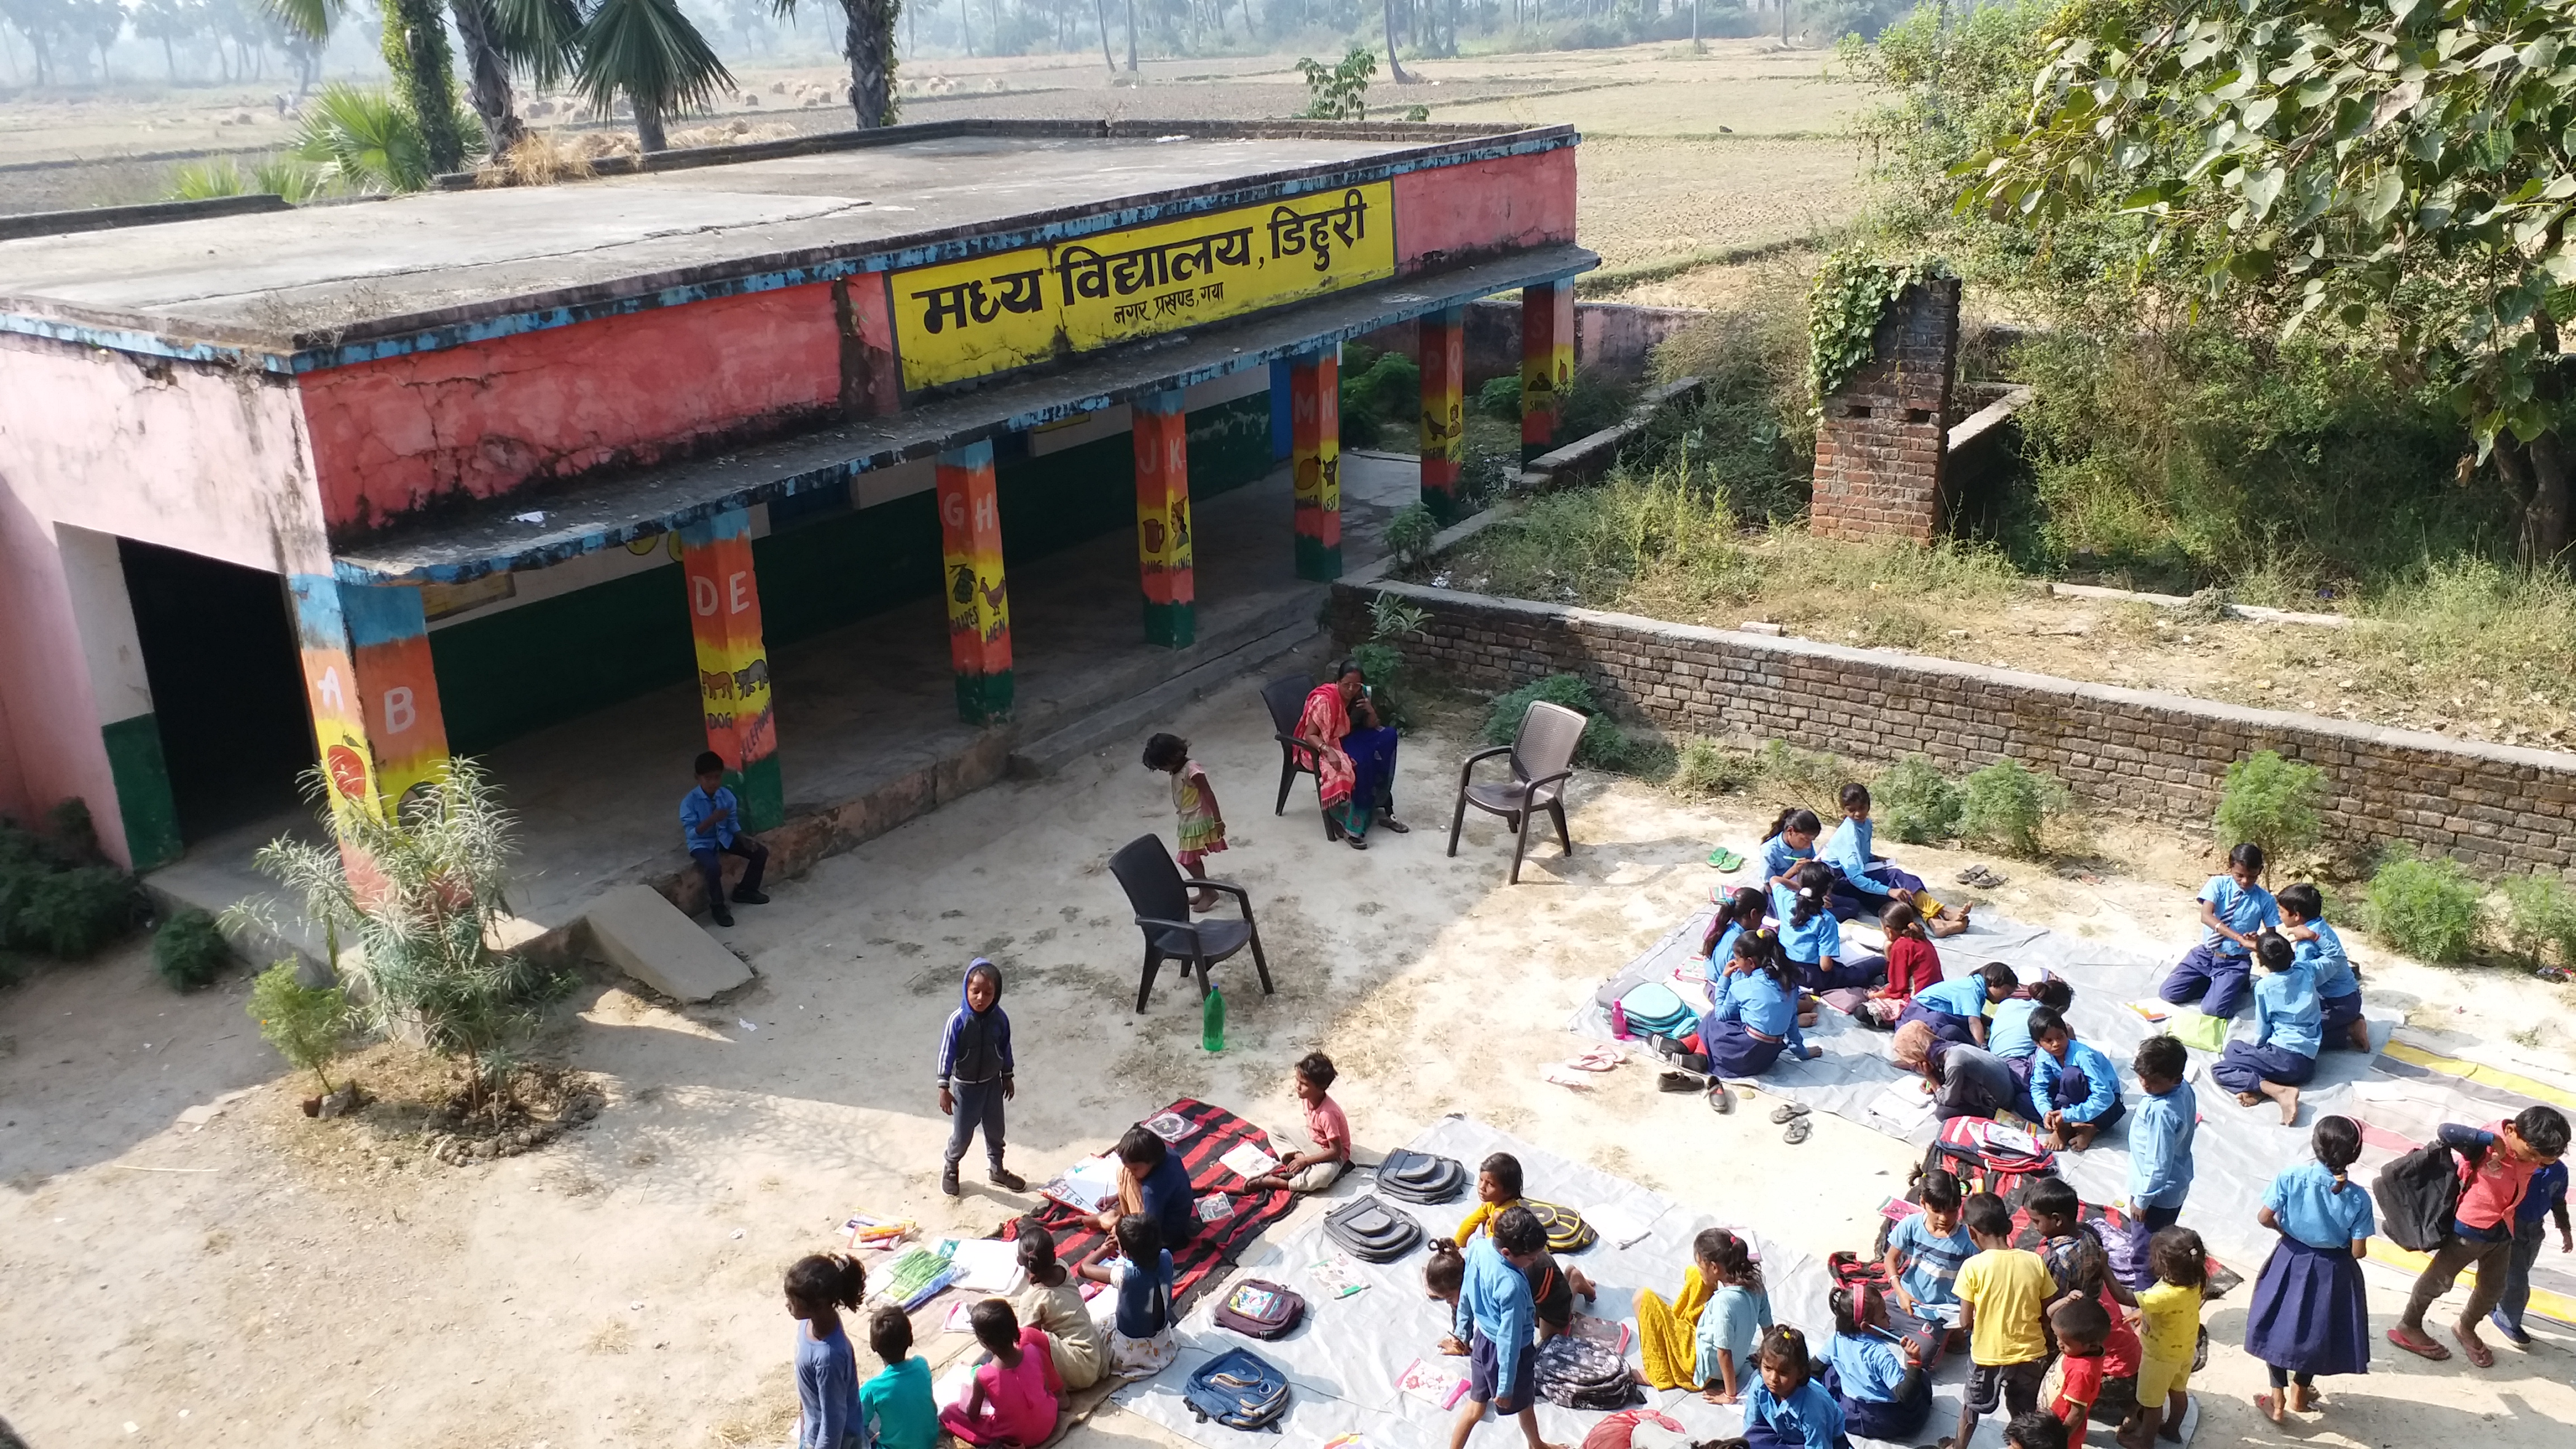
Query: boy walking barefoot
x=711, y=826
x=1495, y=1315
x=2002, y=1292
x=1202, y=824
x=1320, y=1166
x=2499, y=1162
x=975, y=1075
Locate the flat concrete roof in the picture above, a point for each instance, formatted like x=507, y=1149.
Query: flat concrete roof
x=321, y=285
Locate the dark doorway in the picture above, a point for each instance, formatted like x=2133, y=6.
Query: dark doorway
x=226, y=685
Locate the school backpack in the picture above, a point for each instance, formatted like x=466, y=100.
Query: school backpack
x=1567, y=1232
x=1423, y=1177
x=1259, y=1308
x=1577, y=1373
x=1620, y=1429
x=1652, y=1008
x=1238, y=1389
x=2418, y=1197
x=1851, y=1270
x=1371, y=1231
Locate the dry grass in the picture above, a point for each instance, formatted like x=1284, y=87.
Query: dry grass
x=540, y=159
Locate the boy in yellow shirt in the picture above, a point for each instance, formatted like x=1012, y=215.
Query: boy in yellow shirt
x=2002, y=1290
x=2168, y=1337
x=1498, y=1186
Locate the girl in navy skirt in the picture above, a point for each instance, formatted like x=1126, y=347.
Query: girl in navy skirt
x=1756, y=1015
x=1812, y=939
x=1877, y=1377
x=2309, y=1314
x=2287, y=1034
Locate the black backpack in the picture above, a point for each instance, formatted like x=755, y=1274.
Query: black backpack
x=1567, y=1232
x=1371, y=1231
x=1409, y=1176
x=1577, y=1373
x=1238, y=1389
x=2418, y=1196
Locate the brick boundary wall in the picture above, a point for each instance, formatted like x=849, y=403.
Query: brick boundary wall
x=1882, y=438
x=2155, y=756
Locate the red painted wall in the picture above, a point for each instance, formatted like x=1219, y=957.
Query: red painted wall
x=391, y=436
x=1483, y=207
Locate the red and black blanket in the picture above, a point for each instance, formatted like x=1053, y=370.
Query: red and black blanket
x=1214, y=1132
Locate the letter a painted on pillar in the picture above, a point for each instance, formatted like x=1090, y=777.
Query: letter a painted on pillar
x=371, y=688
x=733, y=662
x=1547, y=363
x=1315, y=405
x=979, y=606
x=1162, y=436
x=1443, y=355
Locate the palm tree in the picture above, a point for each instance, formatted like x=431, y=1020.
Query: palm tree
x=647, y=51
x=868, y=37
x=1394, y=67
x=415, y=46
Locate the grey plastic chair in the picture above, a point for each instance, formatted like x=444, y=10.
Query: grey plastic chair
x=1161, y=900
x=1542, y=756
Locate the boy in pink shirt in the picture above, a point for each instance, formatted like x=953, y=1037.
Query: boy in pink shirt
x=2497, y=1164
x=1013, y=1401
x=1321, y=1165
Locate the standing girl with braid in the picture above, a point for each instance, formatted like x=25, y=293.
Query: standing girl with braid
x=2309, y=1314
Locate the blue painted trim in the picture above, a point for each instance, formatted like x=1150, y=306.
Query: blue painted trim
x=977, y=455
x=1283, y=411
x=513, y=324
x=1164, y=403
x=382, y=615
x=713, y=528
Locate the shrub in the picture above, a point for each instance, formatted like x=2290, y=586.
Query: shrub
x=189, y=951
x=2540, y=912
x=1409, y=534
x=71, y=913
x=1501, y=398
x=1705, y=767
x=2275, y=803
x=305, y=1023
x=1379, y=390
x=1604, y=745
x=2006, y=804
x=2425, y=908
x=1913, y=802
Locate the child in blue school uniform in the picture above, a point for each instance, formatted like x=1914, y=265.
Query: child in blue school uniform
x=1992, y=1079
x=1924, y=1254
x=2160, y=1139
x=2310, y=1314
x=1875, y=1376
x=2320, y=949
x=1864, y=883
x=2074, y=1089
x=2282, y=1057
x=1496, y=1316
x=1790, y=843
x=711, y=824
x=1755, y=1016
x=2233, y=907
x=1812, y=939
x=1739, y=911
x=1788, y=1409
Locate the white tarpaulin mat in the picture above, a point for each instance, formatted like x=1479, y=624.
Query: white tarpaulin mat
x=1343, y=1361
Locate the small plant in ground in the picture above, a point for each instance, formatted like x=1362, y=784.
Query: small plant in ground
x=1705, y=767
x=1409, y=534
x=305, y=1023
x=1813, y=780
x=2540, y=914
x=2425, y=908
x=1914, y=802
x=2006, y=804
x=2272, y=802
x=189, y=951
x=1338, y=92
x=1501, y=398
x=1604, y=745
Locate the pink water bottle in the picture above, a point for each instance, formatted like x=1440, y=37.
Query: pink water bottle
x=1619, y=1020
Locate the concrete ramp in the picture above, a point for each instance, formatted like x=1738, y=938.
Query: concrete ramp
x=649, y=939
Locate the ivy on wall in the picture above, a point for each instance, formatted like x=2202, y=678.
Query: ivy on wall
x=1852, y=293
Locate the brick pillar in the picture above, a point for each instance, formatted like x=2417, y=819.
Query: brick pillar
x=1315, y=399
x=979, y=607
x=1547, y=362
x=1883, y=440
x=371, y=689
x=1443, y=356
x=1162, y=436
x=733, y=662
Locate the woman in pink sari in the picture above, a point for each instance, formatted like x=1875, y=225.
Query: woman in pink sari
x=1353, y=755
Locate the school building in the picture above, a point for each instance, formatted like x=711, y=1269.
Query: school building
x=545, y=475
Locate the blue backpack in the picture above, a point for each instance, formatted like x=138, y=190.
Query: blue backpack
x=1240, y=1390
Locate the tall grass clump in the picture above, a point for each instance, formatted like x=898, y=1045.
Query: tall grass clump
x=2007, y=804
x=1704, y=767
x=1604, y=745
x=190, y=951
x=1914, y=802
x=2427, y=908
x=2540, y=917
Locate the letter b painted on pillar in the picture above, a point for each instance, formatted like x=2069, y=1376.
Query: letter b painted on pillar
x=371, y=688
x=733, y=662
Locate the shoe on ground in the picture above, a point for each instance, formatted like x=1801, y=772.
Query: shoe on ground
x=1391, y=823
x=750, y=898
x=948, y=1179
x=1721, y=1099
x=2512, y=1335
x=723, y=917
x=1007, y=1180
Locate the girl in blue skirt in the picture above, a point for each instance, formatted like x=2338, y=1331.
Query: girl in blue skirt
x=1812, y=939
x=1756, y=1015
x=2309, y=1314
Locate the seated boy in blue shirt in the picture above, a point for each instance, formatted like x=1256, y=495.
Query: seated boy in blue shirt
x=2074, y=1089
x=711, y=824
x=2320, y=949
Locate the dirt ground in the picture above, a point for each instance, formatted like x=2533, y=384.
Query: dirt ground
x=267, y=1279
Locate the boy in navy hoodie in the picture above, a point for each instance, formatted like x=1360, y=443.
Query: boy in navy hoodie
x=975, y=1074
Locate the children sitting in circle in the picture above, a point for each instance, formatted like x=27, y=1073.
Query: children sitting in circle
x=1738, y=912
x=1865, y=884
x=2282, y=1057
x=2233, y=906
x=2320, y=950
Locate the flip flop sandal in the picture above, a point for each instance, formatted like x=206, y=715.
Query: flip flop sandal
x=1725, y=859
x=1563, y=1078
x=1788, y=1112
x=1720, y=1099
x=1597, y=1059
x=2427, y=1350
x=2479, y=1353
x=1798, y=1129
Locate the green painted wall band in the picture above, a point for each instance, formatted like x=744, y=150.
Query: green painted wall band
x=143, y=798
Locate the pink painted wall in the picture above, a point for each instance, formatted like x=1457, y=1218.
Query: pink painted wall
x=195, y=458
x=1483, y=207
x=484, y=418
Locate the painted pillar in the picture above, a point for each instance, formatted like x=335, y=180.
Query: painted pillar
x=979, y=606
x=1547, y=362
x=1162, y=436
x=1283, y=414
x=1443, y=356
x=372, y=691
x=1315, y=400
x=733, y=662
x=104, y=614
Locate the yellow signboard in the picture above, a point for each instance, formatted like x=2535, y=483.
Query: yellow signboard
x=966, y=319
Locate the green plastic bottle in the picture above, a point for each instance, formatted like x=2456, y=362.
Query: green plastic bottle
x=1212, y=1021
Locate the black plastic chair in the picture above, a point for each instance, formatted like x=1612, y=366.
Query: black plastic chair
x=1160, y=896
x=1286, y=699
x=1542, y=754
